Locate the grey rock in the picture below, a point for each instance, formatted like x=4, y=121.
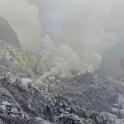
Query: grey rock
x=91, y=91
x=37, y=106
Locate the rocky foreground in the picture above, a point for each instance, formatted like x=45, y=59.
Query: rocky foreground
x=21, y=102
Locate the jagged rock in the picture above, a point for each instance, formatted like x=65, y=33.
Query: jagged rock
x=91, y=91
x=9, y=110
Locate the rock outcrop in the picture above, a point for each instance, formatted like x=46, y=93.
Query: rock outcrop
x=93, y=92
x=7, y=33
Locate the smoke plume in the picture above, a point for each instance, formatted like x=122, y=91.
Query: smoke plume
x=74, y=34
x=78, y=32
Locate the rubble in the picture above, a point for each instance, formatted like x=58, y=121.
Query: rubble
x=37, y=106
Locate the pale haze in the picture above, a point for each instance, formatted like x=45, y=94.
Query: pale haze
x=77, y=33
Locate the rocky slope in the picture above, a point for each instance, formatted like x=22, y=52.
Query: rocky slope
x=28, y=98
x=21, y=102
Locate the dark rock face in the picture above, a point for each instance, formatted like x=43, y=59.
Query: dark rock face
x=7, y=33
x=92, y=92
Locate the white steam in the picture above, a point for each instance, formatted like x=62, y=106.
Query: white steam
x=75, y=33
